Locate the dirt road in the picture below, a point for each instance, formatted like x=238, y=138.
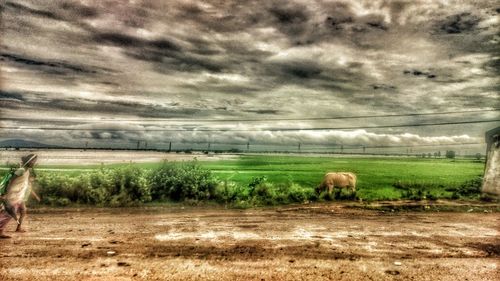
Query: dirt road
x=318, y=242
x=95, y=157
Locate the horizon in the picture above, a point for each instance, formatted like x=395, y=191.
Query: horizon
x=461, y=150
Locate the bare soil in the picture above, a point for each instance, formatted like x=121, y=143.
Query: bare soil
x=310, y=242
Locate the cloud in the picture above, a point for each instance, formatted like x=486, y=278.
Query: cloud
x=79, y=10
x=35, y=12
x=5, y=95
x=51, y=67
x=251, y=59
x=459, y=23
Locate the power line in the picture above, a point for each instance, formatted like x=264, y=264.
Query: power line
x=353, y=147
x=248, y=130
x=247, y=120
x=288, y=147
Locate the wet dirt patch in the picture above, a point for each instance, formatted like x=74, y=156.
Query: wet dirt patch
x=490, y=249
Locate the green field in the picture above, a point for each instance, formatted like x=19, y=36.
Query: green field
x=376, y=176
x=379, y=178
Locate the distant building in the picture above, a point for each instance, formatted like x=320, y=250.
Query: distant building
x=491, y=181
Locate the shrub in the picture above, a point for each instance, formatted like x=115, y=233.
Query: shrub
x=130, y=186
x=299, y=194
x=413, y=190
x=226, y=192
x=181, y=181
x=259, y=192
x=257, y=181
x=471, y=188
x=115, y=187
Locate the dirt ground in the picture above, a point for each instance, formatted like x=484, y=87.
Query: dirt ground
x=310, y=242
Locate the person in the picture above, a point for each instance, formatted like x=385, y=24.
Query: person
x=18, y=190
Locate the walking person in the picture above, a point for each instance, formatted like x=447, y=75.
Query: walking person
x=17, y=192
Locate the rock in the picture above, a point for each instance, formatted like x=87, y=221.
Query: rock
x=398, y=263
x=111, y=253
x=122, y=263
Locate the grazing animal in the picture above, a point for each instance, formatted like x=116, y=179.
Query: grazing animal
x=338, y=180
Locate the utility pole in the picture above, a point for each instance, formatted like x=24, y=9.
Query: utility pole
x=170, y=147
x=145, y=144
x=138, y=144
x=364, y=149
x=248, y=146
x=299, y=146
x=341, y=148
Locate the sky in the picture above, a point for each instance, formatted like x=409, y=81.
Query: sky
x=111, y=73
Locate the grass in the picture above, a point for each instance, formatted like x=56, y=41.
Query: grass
x=376, y=176
x=387, y=178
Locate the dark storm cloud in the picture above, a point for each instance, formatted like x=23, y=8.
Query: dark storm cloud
x=25, y=101
x=301, y=70
x=339, y=14
x=50, y=103
x=167, y=55
x=264, y=111
x=11, y=96
x=340, y=18
x=416, y=72
x=493, y=65
x=35, y=12
x=291, y=19
x=383, y=87
x=459, y=23
x=127, y=41
x=166, y=63
x=49, y=66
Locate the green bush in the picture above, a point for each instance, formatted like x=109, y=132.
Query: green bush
x=181, y=181
x=111, y=187
x=416, y=190
x=259, y=192
x=227, y=192
x=468, y=189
